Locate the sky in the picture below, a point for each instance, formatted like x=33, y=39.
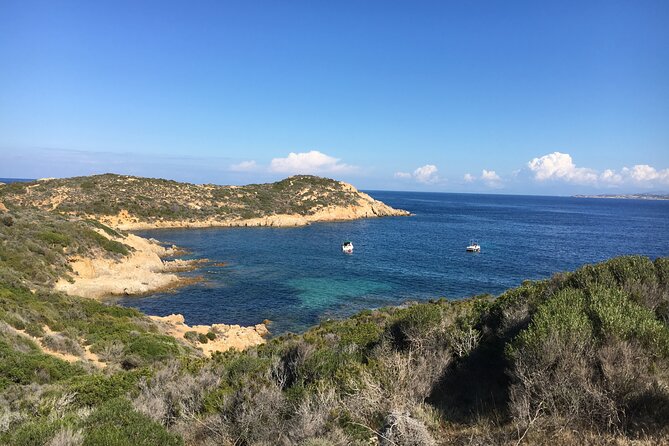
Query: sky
x=518, y=97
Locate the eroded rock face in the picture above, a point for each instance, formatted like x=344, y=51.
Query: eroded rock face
x=142, y=271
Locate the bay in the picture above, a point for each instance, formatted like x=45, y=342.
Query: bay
x=298, y=276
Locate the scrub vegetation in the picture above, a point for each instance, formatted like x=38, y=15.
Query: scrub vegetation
x=150, y=199
x=35, y=245
x=581, y=358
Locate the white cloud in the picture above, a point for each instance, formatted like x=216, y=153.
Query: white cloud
x=490, y=178
x=559, y=166
x=426, y=174
x=643, y=173
x=244, y=166
x=490, y=175
x=469, y=178
x=308, y=163
x=610, y=177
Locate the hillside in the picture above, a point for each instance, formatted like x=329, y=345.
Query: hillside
x=126, y=202
x=581, y=358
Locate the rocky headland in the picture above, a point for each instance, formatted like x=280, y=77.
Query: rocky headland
x=133, y=203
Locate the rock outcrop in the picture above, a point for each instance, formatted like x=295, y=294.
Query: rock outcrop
x=226, y=336
x=141, y=271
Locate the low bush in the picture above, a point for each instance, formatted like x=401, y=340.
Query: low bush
x=116, y=423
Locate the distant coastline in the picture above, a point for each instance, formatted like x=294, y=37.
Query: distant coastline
x=644, y=196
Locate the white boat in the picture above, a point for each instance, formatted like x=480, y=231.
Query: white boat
x=347, y=247
x=474, y=246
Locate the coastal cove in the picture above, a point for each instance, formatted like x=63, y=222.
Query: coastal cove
x=298, y=276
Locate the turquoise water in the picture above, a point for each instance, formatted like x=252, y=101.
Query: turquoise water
x=298, y=276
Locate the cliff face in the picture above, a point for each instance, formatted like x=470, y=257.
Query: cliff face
x=141, y=203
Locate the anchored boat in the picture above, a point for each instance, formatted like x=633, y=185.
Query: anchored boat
x=347, y=247
x=474, y=246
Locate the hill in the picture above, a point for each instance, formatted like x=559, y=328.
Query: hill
x=127, y=202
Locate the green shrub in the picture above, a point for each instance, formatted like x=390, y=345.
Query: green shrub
x=33, y=433
x=105, y=228
x=563, y=317
x=202, y=338
x=211, y=335
x=35, y=330
x=152, y=347
x=116, y=423
x=412, y=322
x=109, y=245
x=91, y=390
x=614, y=314
x=55, y=238
x=32, y=367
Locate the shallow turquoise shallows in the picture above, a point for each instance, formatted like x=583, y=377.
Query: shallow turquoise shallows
x=298, y=276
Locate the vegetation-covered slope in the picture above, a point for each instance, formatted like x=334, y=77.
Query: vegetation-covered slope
x=150, y=200
x=580, y=358
x=35, y=246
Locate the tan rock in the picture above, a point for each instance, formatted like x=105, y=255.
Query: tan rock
x=261, y=329
x=3, y=208
x=227, y=336
x=142, y=271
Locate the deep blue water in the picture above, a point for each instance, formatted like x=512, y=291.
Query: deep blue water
x=296, y=276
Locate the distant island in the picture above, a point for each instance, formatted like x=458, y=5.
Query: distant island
x=642, y=196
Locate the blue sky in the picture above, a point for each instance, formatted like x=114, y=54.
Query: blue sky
x=500, y=96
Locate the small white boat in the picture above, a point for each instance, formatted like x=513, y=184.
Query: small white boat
x=474, y=246
x=347, y=247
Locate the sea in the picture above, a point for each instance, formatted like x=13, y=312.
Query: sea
x=296, y=277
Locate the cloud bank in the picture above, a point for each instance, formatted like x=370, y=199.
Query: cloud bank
x=559, y=166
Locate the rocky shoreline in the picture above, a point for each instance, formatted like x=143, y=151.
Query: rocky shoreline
x=369, y=209
x=144, y=271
